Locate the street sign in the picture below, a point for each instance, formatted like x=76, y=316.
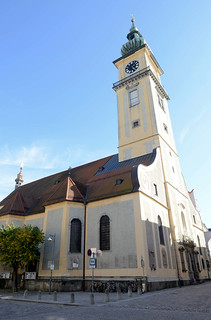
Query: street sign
x=94, y=252
x=89, y=252
x=92, y=263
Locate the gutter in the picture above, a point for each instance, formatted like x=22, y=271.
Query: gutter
x=84, y=244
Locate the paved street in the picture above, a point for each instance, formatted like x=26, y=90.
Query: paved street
x=192, y=302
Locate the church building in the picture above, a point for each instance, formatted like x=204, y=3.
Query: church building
x=131, y=209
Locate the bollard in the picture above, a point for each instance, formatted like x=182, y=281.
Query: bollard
x=72, y=298
x=118, y=293
x=129, y=291
x=55, y=296
x=106, y=296
x=25, y=294
x=91, y=298
x=39, y=295
x=139, y=291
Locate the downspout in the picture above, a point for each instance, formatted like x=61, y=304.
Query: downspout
x=84, y=244
x=171, y=222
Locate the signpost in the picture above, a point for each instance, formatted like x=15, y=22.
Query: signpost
x=92, y=263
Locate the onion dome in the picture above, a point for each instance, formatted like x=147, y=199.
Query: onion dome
x=19, y=179
x=135, y=40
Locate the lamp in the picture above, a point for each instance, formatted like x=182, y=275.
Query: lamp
x=51, y=238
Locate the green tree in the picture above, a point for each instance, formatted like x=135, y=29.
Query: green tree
x=19, y=246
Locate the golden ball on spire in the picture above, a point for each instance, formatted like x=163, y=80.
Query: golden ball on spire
x=133, y=19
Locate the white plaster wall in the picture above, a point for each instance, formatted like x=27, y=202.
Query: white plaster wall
x=122, y=253
x=150, y=210
x=149, y=176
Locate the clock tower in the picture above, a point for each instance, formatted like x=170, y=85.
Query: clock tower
x=143, y=116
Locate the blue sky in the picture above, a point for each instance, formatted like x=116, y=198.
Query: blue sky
x=57, y=105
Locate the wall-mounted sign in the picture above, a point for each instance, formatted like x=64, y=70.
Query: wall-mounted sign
x=30, y=275
x=5, y=275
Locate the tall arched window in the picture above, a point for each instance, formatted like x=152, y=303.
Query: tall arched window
x=160, y=229
x=75, y=236
x=104, y=233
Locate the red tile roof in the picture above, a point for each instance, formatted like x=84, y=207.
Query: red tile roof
x=71, y=185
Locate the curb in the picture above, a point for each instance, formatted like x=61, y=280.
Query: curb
x=44, y=302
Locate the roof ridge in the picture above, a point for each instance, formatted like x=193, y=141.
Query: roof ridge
x=56, y=189
x=17, y=197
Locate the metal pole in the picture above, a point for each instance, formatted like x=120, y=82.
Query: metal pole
x=50, y=282
x=93, y=275
x=52, y=261
x=92, y=280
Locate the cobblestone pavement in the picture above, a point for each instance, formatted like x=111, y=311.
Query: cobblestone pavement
x=191, y=302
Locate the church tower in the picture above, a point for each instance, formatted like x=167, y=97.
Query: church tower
x=143, y=116
x=19, y=179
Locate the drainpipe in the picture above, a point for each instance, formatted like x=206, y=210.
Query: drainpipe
x=84, y=244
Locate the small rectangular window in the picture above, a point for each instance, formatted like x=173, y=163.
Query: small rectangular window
x=135, y=123
x=165, y=127
x=133, y=97
x=160, y=101
x=155, y=190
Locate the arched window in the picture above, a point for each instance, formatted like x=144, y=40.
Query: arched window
x=160, y=229
x=75, y=236
x=104, y=233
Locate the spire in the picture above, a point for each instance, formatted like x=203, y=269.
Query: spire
x=19, y=179
x=135, y=40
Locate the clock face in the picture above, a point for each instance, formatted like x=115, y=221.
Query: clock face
x=132, y=66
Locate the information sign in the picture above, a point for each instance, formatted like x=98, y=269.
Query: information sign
x=92, y=263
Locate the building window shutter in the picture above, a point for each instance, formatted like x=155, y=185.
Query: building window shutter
x=75, y=236
x=104, y=233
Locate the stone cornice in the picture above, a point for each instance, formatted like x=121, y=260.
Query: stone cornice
x=138, y=75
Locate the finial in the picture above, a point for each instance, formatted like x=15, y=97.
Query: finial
x=132, y=16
